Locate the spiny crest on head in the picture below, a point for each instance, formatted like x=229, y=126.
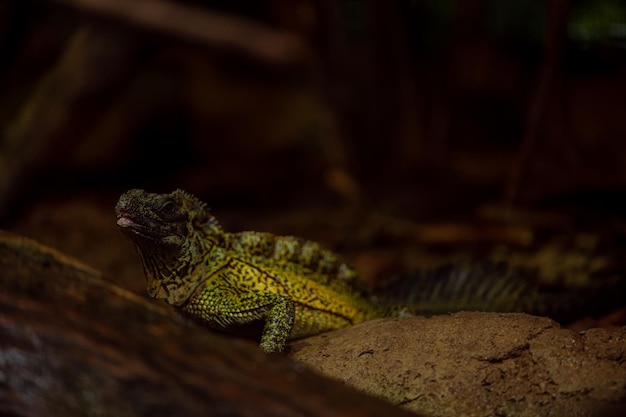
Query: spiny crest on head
x=200, y=208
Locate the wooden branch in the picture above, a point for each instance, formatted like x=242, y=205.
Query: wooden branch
x=452, y=233
x=556, y=31
x=271, y=45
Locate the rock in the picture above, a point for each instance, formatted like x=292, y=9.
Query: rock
x=477, y=364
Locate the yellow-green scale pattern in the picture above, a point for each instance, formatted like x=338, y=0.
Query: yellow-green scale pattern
x=300, y=288
x=297, y=287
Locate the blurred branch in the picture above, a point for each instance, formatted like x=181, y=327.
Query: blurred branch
x=64, y=106
x=99, y=61
x=271, y=45
x=556, y=33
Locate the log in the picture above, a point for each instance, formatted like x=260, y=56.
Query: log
x=73, y=344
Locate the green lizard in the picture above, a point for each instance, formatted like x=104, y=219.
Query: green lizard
x=227, y=279
x=297, y=287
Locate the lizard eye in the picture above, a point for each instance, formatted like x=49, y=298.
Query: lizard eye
x=169, y=210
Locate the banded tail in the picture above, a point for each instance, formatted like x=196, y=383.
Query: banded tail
x=496, y=287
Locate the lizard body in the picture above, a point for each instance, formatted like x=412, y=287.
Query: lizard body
x=224, y=279
x=294, y=285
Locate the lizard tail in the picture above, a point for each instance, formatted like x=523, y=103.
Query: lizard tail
x=496, y=287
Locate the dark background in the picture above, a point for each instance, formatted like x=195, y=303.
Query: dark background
x=385, y=130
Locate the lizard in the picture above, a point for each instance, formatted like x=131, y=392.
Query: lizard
x=295, y=286
x=225, y=279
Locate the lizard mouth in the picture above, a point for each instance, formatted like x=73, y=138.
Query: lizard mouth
x=129, y=225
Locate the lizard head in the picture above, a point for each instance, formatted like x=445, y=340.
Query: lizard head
x=172, y=233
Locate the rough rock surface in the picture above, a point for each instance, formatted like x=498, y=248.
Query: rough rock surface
x=477, y=364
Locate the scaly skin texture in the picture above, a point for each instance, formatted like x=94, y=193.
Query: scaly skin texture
x=298, y=288
x=224, y=279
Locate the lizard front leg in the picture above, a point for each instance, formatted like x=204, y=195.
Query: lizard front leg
x=223, y=307
x=278, y=325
